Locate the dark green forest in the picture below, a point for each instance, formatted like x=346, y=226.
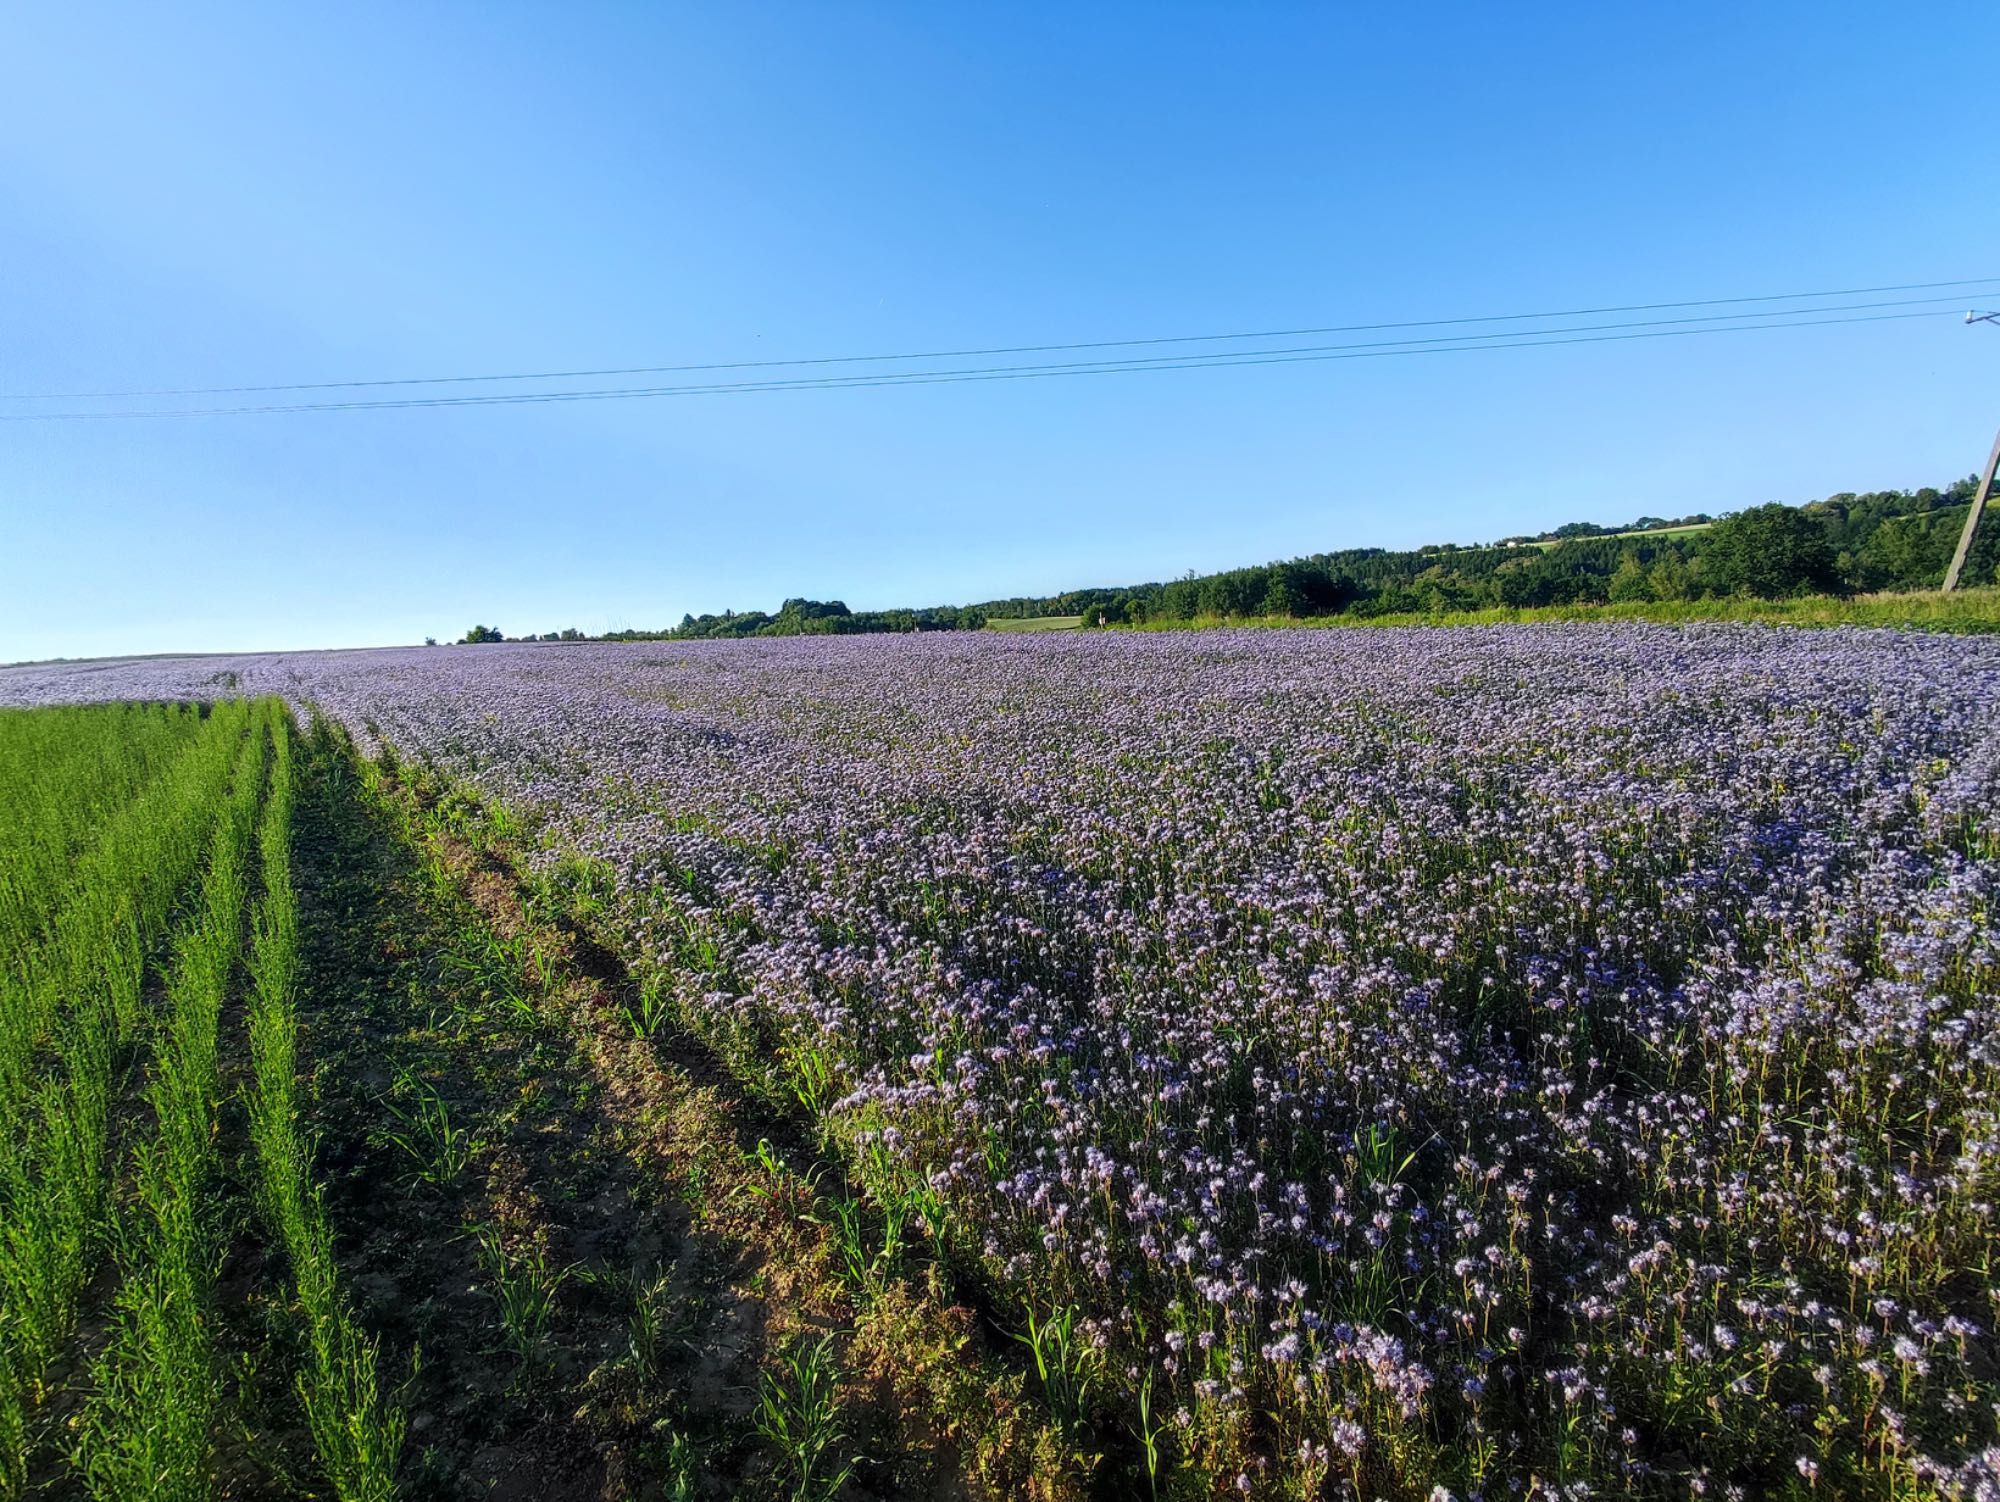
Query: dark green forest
x=1846, y=544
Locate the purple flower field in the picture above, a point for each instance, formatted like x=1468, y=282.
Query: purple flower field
x=1473, y=1060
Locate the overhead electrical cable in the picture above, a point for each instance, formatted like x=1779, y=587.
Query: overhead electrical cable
x=1527, y=339
x=1017, y=349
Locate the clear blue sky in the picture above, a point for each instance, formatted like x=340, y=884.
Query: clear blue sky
x=195, y=195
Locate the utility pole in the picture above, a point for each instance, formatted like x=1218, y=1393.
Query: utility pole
x=1985, y=490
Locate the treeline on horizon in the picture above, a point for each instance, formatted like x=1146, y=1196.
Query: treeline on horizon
x=1846, y=544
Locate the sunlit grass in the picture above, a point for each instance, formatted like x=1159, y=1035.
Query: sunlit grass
x=1974, y=611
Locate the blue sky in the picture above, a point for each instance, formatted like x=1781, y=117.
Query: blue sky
x=195, y=195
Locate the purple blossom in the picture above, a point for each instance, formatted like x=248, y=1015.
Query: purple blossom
x=1434, y=1029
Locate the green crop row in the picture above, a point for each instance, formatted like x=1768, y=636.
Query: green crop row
x=70, y=996
x=135, y=842
x=63, y=774
x=146, y=1428
x=357, y=1434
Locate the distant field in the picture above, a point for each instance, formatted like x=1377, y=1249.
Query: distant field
x=1493, y=1063
x=1037, y=623
x=1970, y=611
x=1648, y=532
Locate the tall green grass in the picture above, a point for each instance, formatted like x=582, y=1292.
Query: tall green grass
x=64, y=775
x=357, y=1433
x=146, y=1430
x=121, y=815
x=1974, y=611
x=72, y=864
x=70, y=990
x=1034, y=623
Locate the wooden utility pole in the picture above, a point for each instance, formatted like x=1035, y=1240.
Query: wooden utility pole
x=1964, y=550
x=1972, y=518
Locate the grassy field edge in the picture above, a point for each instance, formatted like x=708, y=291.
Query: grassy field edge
x=1964, y=611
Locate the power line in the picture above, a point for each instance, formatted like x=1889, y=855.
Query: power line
x=1525, y=339
x=1017, y=349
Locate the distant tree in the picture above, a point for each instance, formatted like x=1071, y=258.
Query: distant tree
x=1283, y=596
x=1668, y=578
x=1236, y=593
x=1181, y=598
x=1876, y=540
x=1770, y=551
x=1701, y=581
x=482, y=634
x=1629, y=582
x=1524, y=582
x=430, y=641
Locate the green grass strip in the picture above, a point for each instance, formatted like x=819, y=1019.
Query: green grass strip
x=64, y=774
x=357, y=1433
x=146, y=856
x=63, y=1011
x=146, y=1428
x=1966, y=611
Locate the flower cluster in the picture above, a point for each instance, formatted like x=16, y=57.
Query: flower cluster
x=1428, y=1059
